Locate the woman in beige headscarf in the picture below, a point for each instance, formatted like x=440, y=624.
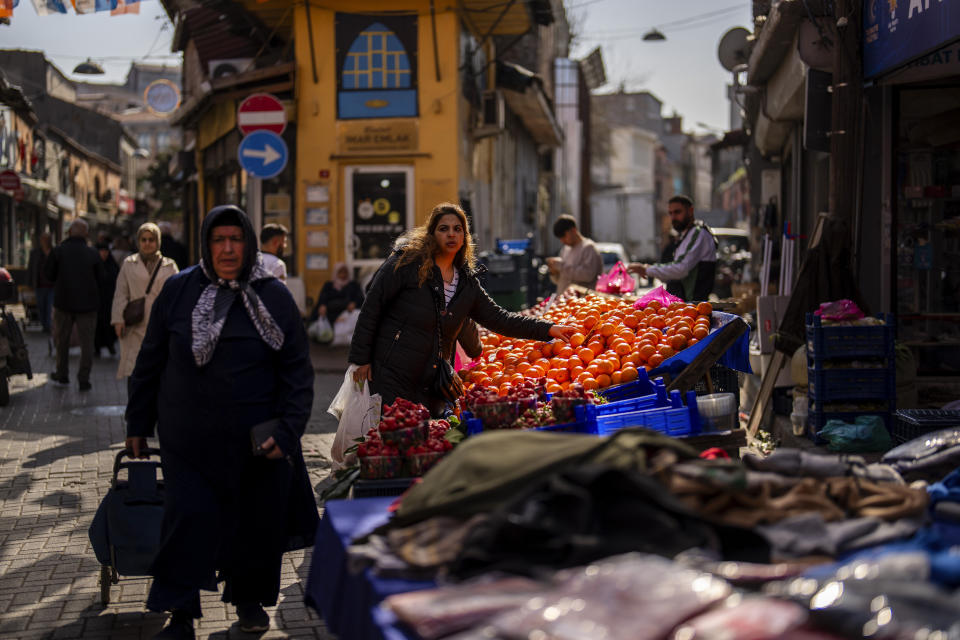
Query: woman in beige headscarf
x=132, y=284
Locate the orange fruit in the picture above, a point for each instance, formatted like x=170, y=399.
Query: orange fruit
x=523, y=367
x=653, y=304
x=616, y=377
x=586, y=355
x=534, y=372
x=565, y=352
x=583, y=377
x=603, y=380
x=606, y=366
x=492, y=340
x=700, y=333
x=562, y=376
x=607, y=329
x=575, y=372
x=689, y=311
x=678, y=342
x=655, y=361
x=629, y=374
x=658, y=323
x=594, y=368
x=590, y=321
x=622, y=349
x=533, y=355
x=553, y=387
x=646, y=350
x=596, y=347
x=666, y=351
x=627, y=336
x=692, y=341
x=574, y=361
x=577, y=339
x=705, y=308
x=631, y=321
x=552, y=374
x=546, y=349
x=590, y=384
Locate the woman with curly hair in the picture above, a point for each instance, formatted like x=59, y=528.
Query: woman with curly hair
x=430, y=274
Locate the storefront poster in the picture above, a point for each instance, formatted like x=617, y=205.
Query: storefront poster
x=318, y=239
x=318, y=262
x=318, y=216
x=897, y=31
x=317, y=193
x=379, y=212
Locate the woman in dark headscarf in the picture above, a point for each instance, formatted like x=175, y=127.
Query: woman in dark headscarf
x=225, y=350
x=340, y=294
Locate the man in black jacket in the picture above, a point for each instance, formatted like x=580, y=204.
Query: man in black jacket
x=74, y=268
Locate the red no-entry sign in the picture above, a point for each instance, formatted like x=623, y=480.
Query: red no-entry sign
x=261, y=111
x=9, y=180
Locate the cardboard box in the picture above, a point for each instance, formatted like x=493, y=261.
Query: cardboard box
x=770, y=310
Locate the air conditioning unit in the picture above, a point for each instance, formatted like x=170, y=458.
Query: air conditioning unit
x=492, y=114
x=229, y=67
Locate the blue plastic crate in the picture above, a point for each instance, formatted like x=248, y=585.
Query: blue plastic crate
x=657, y=400
x=642, y=386
x=513, y=246
x=675, y=420
x=841, y=385
x=825, y=342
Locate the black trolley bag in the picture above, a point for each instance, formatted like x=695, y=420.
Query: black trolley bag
x=125, y=532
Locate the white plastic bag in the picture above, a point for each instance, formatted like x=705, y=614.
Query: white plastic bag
x=320, y=330
x=357, y=411
x=344, y=326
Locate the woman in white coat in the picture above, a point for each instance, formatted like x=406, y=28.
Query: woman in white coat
x=132, y=283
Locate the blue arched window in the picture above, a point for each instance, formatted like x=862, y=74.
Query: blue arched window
x=377, y=72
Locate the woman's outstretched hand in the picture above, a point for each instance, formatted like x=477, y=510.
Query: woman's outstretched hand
x=362, y=373
x=562, y=332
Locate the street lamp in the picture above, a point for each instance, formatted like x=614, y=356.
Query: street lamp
x=654, y=35
x=89, y=68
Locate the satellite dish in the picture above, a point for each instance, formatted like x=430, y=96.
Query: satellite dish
x=734, y=49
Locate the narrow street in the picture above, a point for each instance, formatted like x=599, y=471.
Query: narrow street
x=57, y=448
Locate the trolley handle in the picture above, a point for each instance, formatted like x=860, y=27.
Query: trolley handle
x=128, y=453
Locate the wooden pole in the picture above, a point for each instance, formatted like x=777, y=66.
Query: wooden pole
x=847, y=88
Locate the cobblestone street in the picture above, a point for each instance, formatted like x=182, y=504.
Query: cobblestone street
x=57, y=448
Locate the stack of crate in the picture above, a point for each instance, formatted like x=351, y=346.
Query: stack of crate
x=851, y=371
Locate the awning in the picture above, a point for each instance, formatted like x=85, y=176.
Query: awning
x=523, y=93
x=504, y=17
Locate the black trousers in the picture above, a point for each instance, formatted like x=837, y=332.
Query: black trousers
x=212, y=531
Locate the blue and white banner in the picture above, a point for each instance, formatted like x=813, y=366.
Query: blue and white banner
x=897, y=31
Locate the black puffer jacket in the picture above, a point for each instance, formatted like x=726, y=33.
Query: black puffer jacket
x=396, y=331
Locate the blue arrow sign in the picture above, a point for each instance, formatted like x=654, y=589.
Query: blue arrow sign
x=262, y=154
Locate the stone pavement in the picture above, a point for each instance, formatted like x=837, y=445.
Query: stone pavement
x=57, y=448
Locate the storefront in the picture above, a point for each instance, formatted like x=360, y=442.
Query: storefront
x=912, y=58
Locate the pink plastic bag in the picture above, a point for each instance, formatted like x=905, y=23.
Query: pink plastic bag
x=660, y=295
x=839, y=310
x=618, y=280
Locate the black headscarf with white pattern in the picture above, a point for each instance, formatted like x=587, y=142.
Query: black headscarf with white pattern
x=210, y=313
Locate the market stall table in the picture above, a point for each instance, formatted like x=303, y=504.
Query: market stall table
x=350, y=603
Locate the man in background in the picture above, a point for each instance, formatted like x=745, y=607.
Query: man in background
x=579, y=261
x=273, y=244
x=74, y=267
x=172, y=248
x=690, y=271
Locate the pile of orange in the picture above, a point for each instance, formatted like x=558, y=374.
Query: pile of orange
x=614, y=342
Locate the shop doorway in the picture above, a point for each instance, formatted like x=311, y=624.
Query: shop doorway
x=378, y=208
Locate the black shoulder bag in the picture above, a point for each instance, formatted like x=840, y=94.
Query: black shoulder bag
x=136, y=309
x=446, y=383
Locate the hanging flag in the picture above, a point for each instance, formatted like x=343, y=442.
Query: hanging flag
x=106, y=5
x=6, y=8
x=46, y=7
x=126, y=6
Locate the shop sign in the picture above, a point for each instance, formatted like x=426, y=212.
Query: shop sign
x=362, y=137
x=379, y=212
x=942, y=63
x=898, y=31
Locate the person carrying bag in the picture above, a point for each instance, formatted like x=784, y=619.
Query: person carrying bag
x=136, y=309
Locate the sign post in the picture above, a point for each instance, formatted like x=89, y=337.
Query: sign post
x=261, y=116
x=261, y=112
